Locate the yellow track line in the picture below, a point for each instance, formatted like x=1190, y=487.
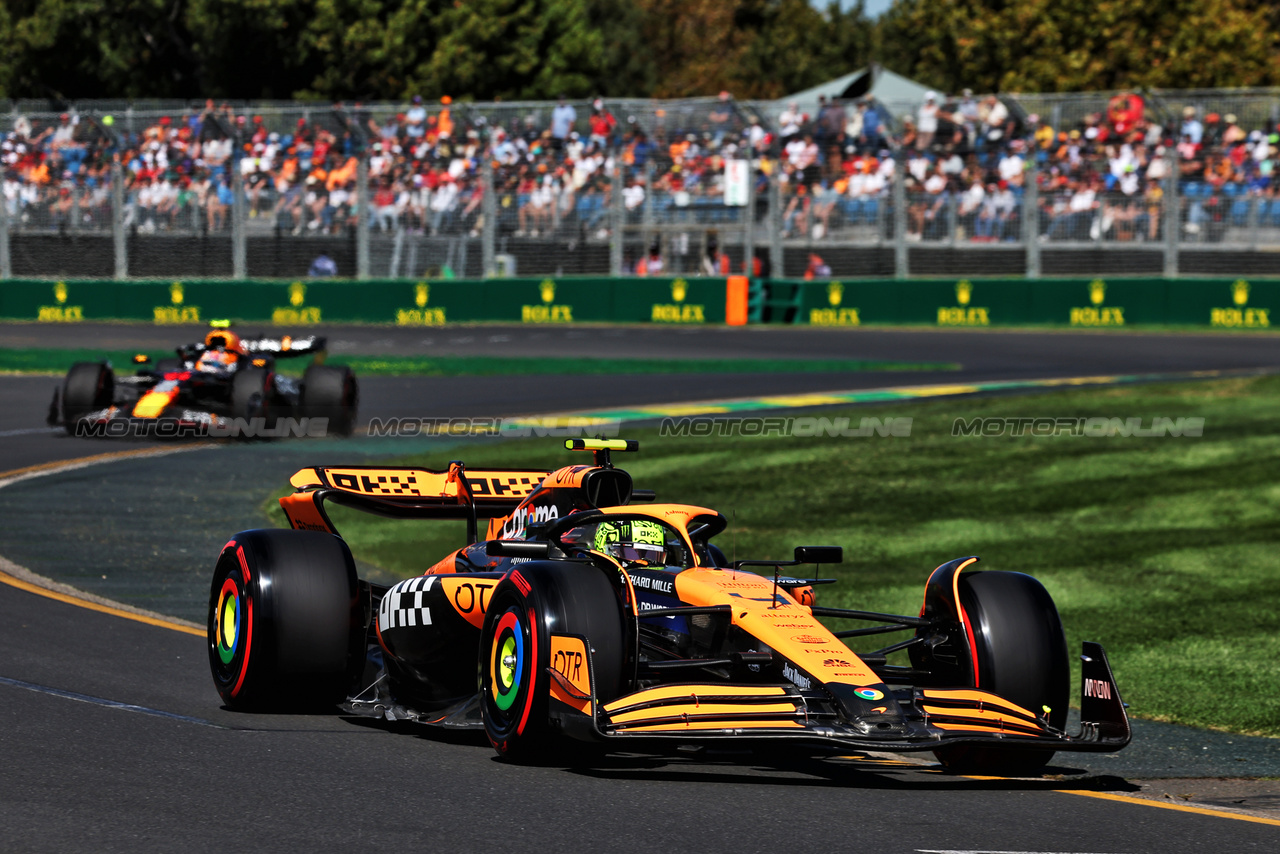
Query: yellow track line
x=1160, y=805
x=6, y=578
x=1146, y=802
x=80, y=462
x=16, y=475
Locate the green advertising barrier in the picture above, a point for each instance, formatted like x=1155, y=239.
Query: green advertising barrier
x=1082, y=303
x=395, y=302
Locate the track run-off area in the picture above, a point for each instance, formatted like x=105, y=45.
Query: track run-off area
x=114, y=737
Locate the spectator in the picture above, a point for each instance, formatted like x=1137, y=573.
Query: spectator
x=720, y=117
x=968, y=116
x=415, y=120
x=563, y=118
x=602, y=124
x=385, y=212
x=444, y=122
x=789, y=121
x=1191, y=128
x=1075, y=220
x=651, y=264
x=816, y=268
x=996, y=123
x=927, y=121
x=795, y=218
x=444, y=202
x=1125, y=113
x=970, y=206
x=322, y=267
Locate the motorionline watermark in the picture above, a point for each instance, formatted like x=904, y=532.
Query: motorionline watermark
x=213, y=427
x=1091, y=426
x=787, y=426
x=566, y=427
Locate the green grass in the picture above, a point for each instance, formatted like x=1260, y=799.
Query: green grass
x=1165, y=550
x=58, y=361
x=458, y=366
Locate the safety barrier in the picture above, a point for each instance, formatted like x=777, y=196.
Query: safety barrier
x=397, y=302
x=1092, y=303
x=1120, y=302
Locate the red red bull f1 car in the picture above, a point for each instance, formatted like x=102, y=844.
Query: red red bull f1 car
x=223, y=386
x=589, y=611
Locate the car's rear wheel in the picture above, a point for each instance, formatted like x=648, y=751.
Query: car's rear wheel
x=1021, y=655
x=284, y=629
x=89, y=386
x=251, y=395
x=515, y=651
x=331, y=391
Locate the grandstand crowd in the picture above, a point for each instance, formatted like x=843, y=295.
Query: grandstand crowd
x=968, y=163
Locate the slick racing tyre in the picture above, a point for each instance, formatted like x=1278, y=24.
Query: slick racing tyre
x=331, y=392
x=89, y=386
x=1022, y=656
x=515, y=650
x=251, y=395
x=284, y=631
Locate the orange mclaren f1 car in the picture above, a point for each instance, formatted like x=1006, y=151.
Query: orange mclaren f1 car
x=225, y=385
x=591, y=612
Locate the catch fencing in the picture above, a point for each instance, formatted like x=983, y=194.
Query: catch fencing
x=686, y=203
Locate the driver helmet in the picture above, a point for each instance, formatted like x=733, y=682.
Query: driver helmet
x=631, y=541
x=216, y=359
x=224, y=339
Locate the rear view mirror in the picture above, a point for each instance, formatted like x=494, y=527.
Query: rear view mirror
x=531, y=549
x=819, y=554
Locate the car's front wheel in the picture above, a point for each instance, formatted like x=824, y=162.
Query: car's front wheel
x=529, y=604
x=1021, y=654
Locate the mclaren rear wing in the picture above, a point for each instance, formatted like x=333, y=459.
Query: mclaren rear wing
x=408, y=493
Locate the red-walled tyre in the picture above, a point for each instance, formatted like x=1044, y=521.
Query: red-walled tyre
x=284, y=630
x=515, y=649
x=1022, y=656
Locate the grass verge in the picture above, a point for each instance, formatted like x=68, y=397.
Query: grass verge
x=1162, y=549
x=58, y=361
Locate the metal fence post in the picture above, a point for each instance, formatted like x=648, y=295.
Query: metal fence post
x=1252, y=222
x=1172, y=214
x=749, y=224
x=1031, y=221
x=901, y=261
x=776, y=255
x=363, y=218
x=489, y=210
x=618, y=214
x=646, y=218
x=6, y=263
x=117, y=220
x=239, y=262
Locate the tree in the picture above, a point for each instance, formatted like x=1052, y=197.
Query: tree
x=753, y=48
x=1079, y=45
x=796, y=46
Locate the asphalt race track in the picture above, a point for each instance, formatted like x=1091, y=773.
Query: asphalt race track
x=114, y=739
